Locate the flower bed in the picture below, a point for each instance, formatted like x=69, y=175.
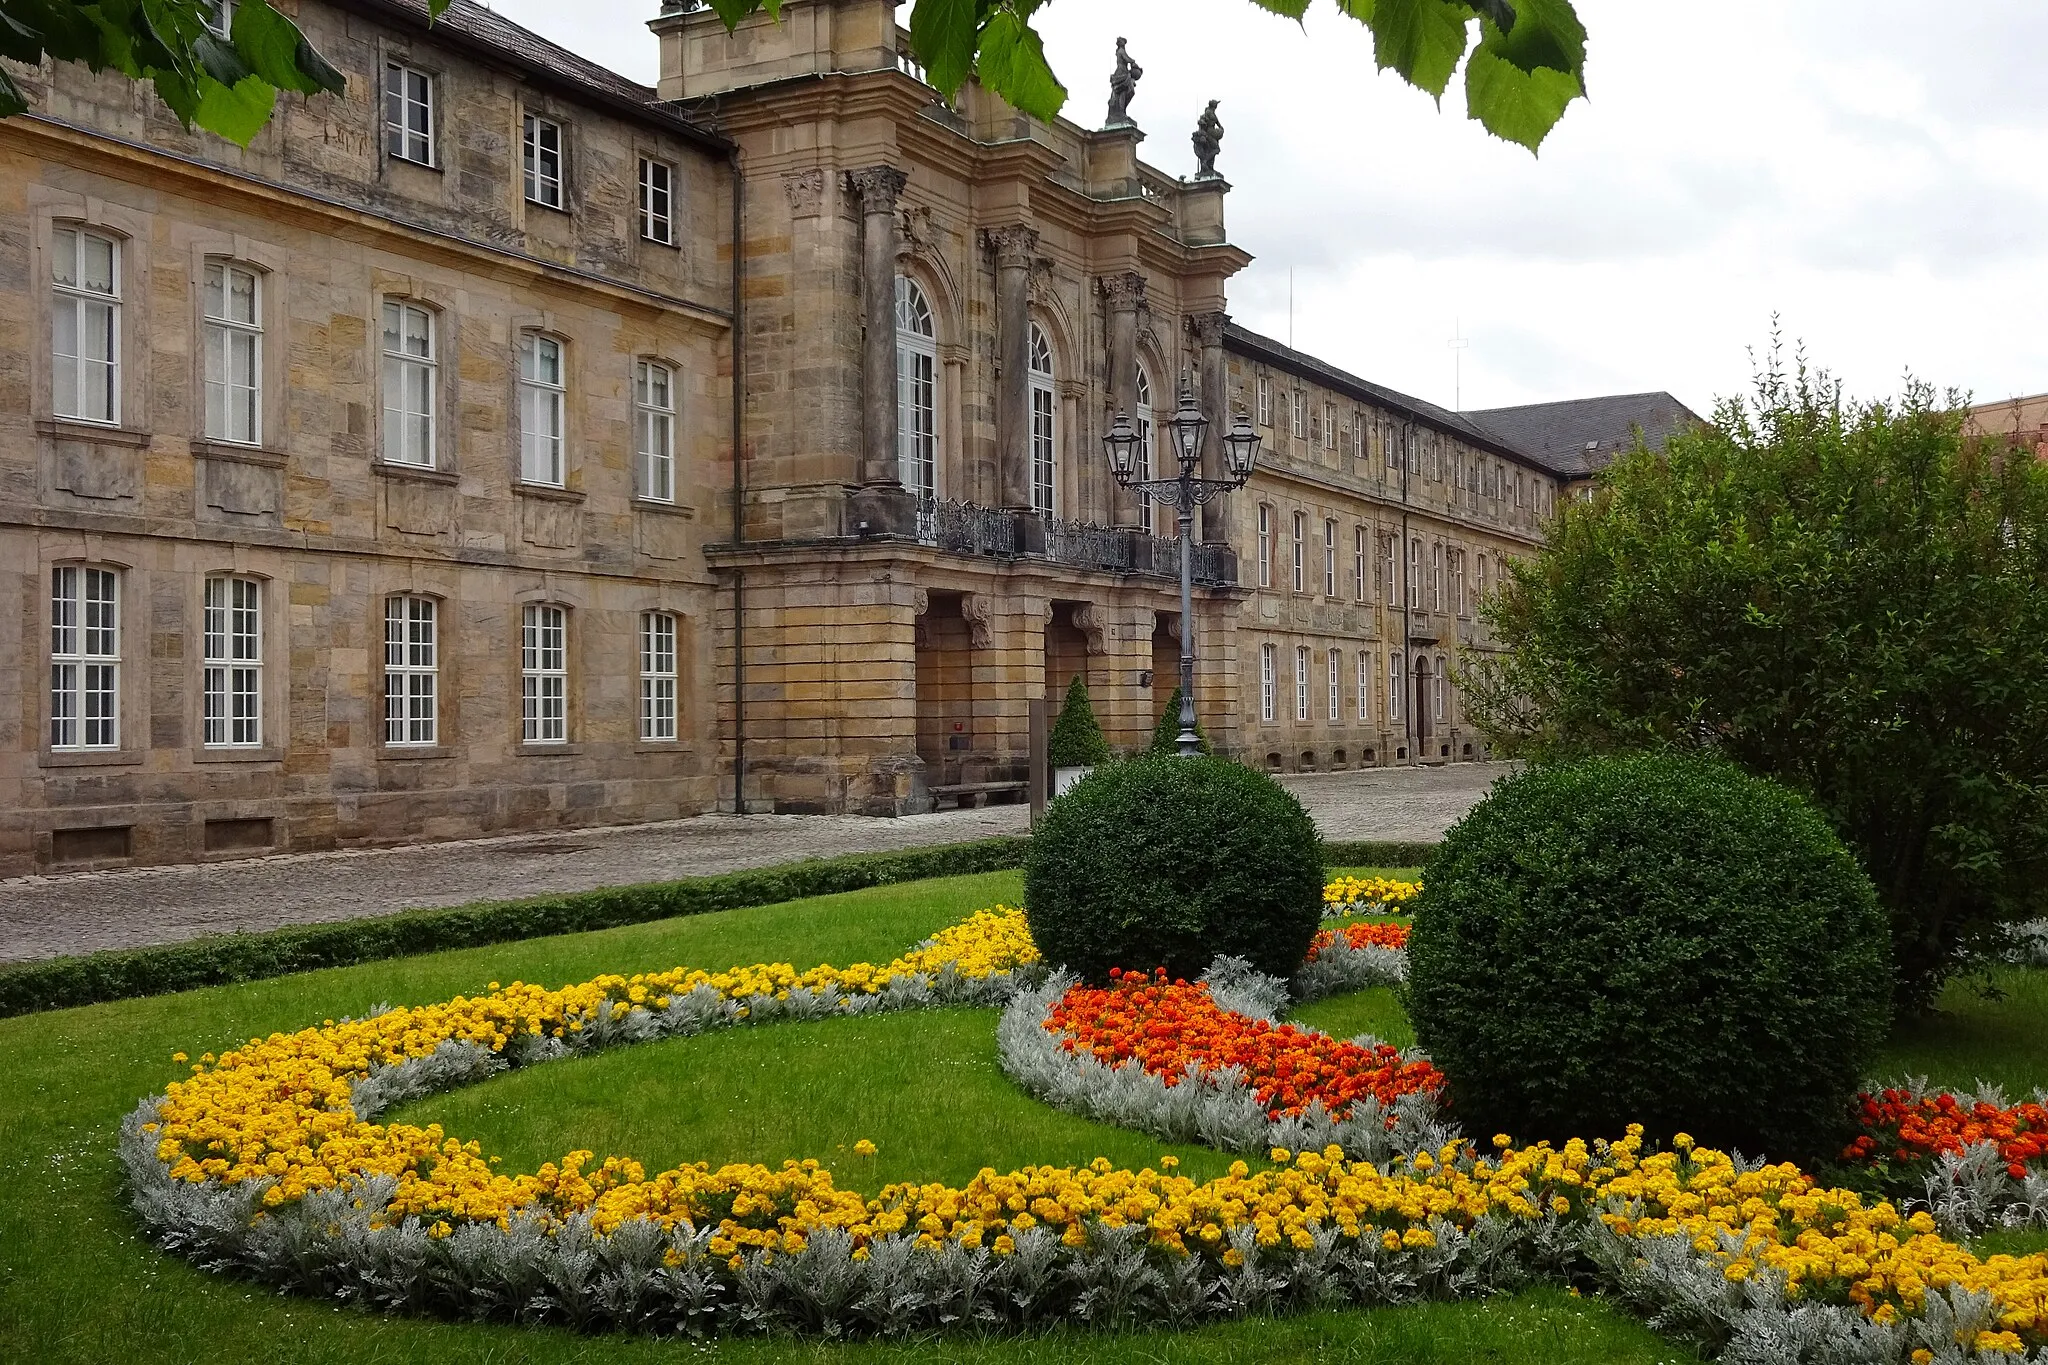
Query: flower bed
x=1906, y=1127
x=1363, y=934
x=269, y=1159
x=1368, y=895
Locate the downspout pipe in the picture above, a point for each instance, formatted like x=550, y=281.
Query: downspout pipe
x=739, y=489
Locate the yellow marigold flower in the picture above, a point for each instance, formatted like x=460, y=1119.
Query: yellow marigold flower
x=864, y=1148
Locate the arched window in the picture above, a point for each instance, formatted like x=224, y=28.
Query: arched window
x=1142, y=420
x=1044, y=434
x=917, y=391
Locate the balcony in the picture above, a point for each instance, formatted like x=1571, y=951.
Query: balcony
x=966, y=528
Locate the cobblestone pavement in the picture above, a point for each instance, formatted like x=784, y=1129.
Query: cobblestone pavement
x=85, y=911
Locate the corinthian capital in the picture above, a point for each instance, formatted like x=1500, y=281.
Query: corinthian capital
x=877, y=186
x=1015, y=244
x=1207, y=328
x=1125, y=291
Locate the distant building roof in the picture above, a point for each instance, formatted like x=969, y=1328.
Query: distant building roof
x=1579, y=436
x=1251, y=343
x=484, y=32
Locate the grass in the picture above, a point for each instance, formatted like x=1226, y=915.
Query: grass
x=78, y=1284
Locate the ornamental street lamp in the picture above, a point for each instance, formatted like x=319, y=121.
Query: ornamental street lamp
x=1186, y=491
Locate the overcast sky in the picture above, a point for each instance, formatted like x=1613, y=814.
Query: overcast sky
x=1868, y=171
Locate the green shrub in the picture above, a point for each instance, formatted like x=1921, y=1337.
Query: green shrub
x=1168, y=862
x=1166, y=734
x=1377, y=853
x=1654, y=939
x=1076, y=740
x=211, y=961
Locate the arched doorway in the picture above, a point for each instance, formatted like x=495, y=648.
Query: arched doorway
x=1423, y=699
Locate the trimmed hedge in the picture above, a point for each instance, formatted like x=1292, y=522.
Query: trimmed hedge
x=121, y=974
x=1377, y=853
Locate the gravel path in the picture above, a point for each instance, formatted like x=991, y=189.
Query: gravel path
x=84, y=911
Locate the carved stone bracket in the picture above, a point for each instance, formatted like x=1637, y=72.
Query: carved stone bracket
x=920, y=601
x=806, y=191
x=976, y=608
x=920, y=233
x=1091, y=621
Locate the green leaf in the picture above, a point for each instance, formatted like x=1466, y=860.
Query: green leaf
x=1515, y=105
x=12, y=101
x=1292, y=9
x=275, y=50
x=732, y=11
x=1419, y=40
x=1539, y=35
x=236, y=112
x=1013, y=65
x=945, y=34
x=220, y=61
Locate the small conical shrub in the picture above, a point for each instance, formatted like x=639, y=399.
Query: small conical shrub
x=1166, y=734
x=1077, y=740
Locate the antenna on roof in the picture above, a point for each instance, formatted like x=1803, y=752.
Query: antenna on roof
x=1290, y=307
x=1458, y=343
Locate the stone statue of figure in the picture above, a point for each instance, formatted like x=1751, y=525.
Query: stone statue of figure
x=1208, y=142
x=1123, y=84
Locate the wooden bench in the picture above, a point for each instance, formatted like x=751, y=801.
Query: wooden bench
x=972, y=795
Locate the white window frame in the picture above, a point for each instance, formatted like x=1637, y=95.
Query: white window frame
x=1388, y=448
x=659, y=708
x=543, y=410
x=657, y=201
x=1264, y=391
x=541, y=161
x=1044, y=424
x=1142, y=421
x=1436, y=576
x=654, y=429
x=1414, y=573
x=1358, y=562
x=1329, y=426
x=409, y=113
x=1298, y=404
x=234, y=354
x=1365, y=675
x=1396, y=684
x=91, y=308
x=1441, y=686
x=1329, y=556
x=1265, y=544
x=85, y=658
x=1301, y=683
x=1358, y=433
x=544, y=674
x=412, y=384
x=917, y=390
x=1336, y=708
x=1269, y=667
x=231, y=663
x=1390, y=591
x=412, y=671
x=1300, y=551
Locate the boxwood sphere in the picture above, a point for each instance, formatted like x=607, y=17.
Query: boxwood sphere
x=1652, y=939
x=1168, y=862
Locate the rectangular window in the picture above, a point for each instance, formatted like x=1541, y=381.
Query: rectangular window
x=1265, y=392
x=1267, y=682
x=1395, y=684
x=1364, y=685
x=85, y=658
x=1414, y=574
x=1441, y=688
x=1329, y=558
x=1358, y=562
x=231, y=682
x=1387, y=446
x=408, y=114
x=657, y=201
x=544, y=675
x=1329, y=426
x=1436, y=577
x=85, y=342
x=543, y=162
x=1265, y=545
x=1044, y=445
x=1336, y=709
x=409, y=384
x=1298, y=401
x=657, y=675
x=543, y=397
x=412, y=665
x=1390, y=570
x=1300, y=550
x=234, y=354
x=1301, y=682
x=654, y=429
x=1358, y=433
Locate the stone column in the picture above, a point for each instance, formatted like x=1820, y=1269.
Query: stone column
x=1215, y=371
x=1122, y=293
x=878, y=188
x=1015, y=248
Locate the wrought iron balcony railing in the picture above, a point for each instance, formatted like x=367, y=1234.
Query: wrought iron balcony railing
x=967, y=528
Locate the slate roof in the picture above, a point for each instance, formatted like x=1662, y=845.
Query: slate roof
x=1579, y=436
x=1250, y=343
x=486, y=33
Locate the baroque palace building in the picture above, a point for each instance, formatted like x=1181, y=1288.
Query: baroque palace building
x=506, y=445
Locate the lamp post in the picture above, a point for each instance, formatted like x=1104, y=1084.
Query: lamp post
x=1185, y=492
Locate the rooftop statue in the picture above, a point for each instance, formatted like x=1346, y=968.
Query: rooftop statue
x=1208, y=142
x=1123, y=84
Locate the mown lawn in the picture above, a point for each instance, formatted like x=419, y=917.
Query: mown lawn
x=78, y=1284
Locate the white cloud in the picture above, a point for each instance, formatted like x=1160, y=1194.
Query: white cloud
x=1864, y=170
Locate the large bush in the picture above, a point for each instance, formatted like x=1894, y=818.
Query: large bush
x=1657, y=939
x=1168, y=862
x=1849, y=598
